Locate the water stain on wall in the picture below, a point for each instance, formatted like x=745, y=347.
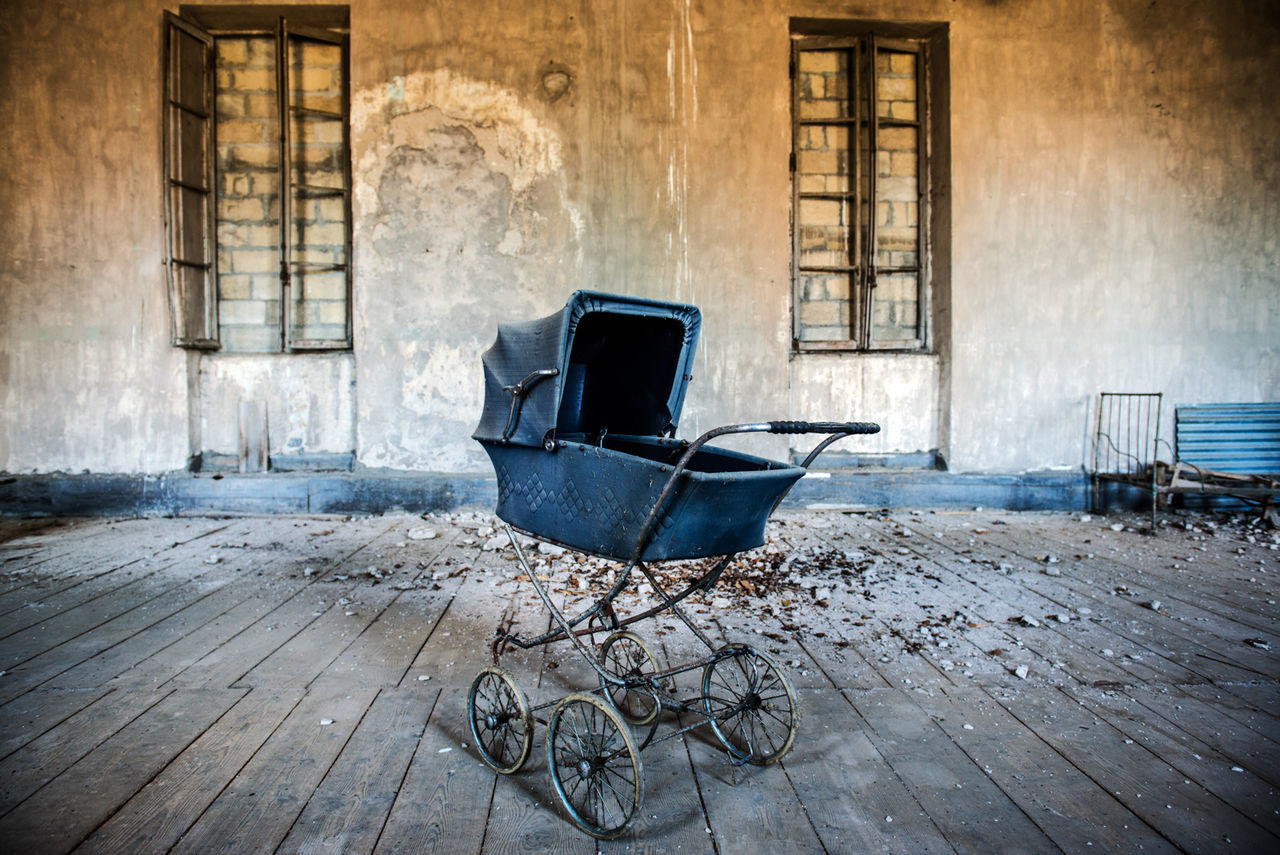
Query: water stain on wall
x=461, y=204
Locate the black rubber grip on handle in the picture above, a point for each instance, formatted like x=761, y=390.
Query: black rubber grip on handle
x=823, y=427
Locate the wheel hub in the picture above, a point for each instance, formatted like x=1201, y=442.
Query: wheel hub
x=584, y=768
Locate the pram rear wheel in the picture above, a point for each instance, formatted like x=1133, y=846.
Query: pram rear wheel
x=501, y=720
x=595, y=766
x=625, y=655
x=750, y=704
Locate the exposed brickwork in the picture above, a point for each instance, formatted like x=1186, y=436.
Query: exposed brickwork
x=248, y=211
x=895, y=301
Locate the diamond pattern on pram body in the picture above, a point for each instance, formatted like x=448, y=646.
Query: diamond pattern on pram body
x=569, y=501
x=531, y=489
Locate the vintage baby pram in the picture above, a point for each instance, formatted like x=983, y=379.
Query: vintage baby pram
x=579, y=418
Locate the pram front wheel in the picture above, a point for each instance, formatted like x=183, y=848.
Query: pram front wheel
x=595, y=766
x=750, y=704
x=501, y=720
x=626, y=656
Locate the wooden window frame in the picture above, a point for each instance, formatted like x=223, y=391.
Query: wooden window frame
x=240, y=21
x=863, y=268
x=193, y=311
x=289, y=190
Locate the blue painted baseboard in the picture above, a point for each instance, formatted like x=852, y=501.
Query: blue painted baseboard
x=379, y=491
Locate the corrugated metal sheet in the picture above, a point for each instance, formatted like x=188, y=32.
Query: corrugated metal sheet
x=1239, y=438
x=1242, y=438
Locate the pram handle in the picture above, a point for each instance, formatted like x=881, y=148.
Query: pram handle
x=838, y=430
x=824, y=427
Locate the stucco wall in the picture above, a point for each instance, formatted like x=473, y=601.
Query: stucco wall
x=88, y=379
x=1115, y=200
x=1117, y=207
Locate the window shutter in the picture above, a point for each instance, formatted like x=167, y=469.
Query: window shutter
x=189, y=183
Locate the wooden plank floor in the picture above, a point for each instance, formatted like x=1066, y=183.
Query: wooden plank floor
x=970, y=682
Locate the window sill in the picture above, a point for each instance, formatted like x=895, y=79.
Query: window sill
x=841, y=349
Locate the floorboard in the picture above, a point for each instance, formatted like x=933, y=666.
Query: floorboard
x=94, y=788
x=159, y=813
x=259, y=806
x=970, y=682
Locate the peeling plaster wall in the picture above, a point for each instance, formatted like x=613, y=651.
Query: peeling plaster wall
x=309, y=401
x=1115, y=195
x=461, y=219
x=898, y=392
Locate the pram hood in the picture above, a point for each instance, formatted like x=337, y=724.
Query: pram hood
x=622, y=366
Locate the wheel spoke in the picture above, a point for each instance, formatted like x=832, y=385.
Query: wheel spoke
x=594, y=767
x=749, y=704
x=500, y=720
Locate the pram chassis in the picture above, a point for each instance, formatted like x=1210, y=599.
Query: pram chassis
x=593, y=757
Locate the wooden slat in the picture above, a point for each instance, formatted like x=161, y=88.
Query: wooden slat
x=107, y=664
x=524, y=817
x=1252, y=743
x=287, y=567
x=969, y=809
x=43, y=759
x=104, y=569
x=65, y=811
x=671, y=818
x=136, y=632
x=97, y=543
x=442, y=804
x=1129, y=558
x=382, y=654
x=1200, y=762
x=848, y=790
x=346, y=813
x=1255, y=705
x=235, y=658
x=154, y=818
x=886, y=643
x=1077, y=647
x=230, y=661
x=304, y=656
x=260, y=805
x=1194, y=651
x=92, y=639
x=1186, y=815
x=1063, y=801
x=30, y=716
x=1215, y=587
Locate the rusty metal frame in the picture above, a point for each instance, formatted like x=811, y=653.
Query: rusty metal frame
x=1127, y=441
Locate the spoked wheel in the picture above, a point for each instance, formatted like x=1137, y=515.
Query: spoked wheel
x=594, y=765
x=625, y=655
x=750, y=704
x=501, y=721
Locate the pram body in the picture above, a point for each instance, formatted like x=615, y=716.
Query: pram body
x=579, y=420
x=584, y=455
